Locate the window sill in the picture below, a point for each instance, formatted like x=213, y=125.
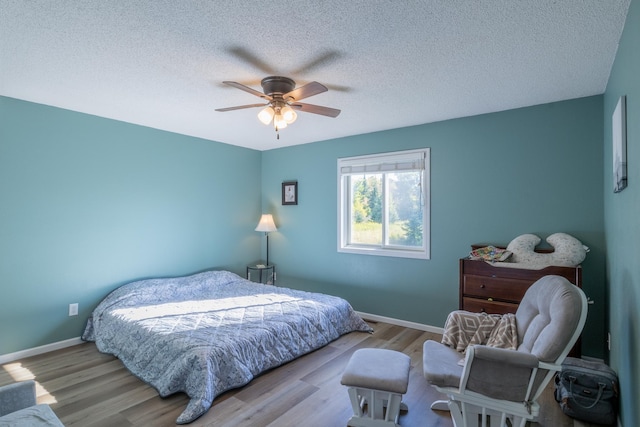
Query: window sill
x=397, y=253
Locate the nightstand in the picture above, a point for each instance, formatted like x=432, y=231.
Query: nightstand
x=262, y=273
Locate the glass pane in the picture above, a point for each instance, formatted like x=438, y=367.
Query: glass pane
x=405, y=208
x=366, y=209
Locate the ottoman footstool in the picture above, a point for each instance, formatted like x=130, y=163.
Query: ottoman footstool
x=377, y=378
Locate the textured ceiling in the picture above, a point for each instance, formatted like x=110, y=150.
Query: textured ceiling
x=387, y=64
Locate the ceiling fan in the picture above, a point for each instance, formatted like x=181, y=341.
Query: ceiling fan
x=282, y=98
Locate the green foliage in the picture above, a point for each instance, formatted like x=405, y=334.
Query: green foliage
x=407, y=202
x=359, y=210
x=404, y=210
x=368, y=233
x=367, y=199
x=413, y=230
x=375, y=201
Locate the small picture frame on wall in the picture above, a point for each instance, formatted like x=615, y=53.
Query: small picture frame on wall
x=290, y=193
x=619, y=138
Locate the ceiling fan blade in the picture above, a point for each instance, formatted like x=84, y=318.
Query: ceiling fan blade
x=251, y=58
x=240, y=107
x=305, y=91
x=247, y=89
x=316, y=109
x=325, y=58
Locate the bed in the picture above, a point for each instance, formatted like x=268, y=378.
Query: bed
x=214, y=331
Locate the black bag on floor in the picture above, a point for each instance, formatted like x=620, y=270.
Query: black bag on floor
x=587, y=390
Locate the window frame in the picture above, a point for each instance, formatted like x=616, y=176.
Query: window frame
x=389, y=162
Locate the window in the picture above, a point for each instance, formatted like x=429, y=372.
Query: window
x=383, y=204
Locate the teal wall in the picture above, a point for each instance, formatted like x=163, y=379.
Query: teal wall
x=87, y=204
x=493, y=177
x=622, y=223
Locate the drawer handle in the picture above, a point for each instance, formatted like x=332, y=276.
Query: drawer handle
x=489, y=299
x=482, y=286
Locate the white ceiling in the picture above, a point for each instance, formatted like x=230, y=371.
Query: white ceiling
x=387, y=64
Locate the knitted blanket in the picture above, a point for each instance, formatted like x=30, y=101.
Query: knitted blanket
x=464, y=328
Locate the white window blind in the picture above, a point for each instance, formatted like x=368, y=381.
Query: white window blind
x=383, y=163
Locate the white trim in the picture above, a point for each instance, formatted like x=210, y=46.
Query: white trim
x=10, y=357
x=387, y=251
x=399, y=322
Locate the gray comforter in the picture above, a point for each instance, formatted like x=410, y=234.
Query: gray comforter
x=214, y=331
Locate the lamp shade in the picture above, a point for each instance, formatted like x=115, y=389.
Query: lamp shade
x=288, y=114
x=266, y=115
x=266, y=224
x=279, y=121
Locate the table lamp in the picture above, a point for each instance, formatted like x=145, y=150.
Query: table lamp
x=266, y=225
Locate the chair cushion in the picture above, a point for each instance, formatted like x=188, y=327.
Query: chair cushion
x=33, y=416
x=440, y=364
x=547, y=317
x=378, y=369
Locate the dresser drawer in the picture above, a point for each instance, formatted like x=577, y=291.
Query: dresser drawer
x=477, y=305
x=511, y=290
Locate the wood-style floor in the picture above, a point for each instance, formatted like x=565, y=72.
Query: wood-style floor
x=87, y=388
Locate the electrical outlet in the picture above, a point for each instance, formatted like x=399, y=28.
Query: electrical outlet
x=73, y=309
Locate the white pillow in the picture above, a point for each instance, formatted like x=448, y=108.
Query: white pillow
x=568, y=251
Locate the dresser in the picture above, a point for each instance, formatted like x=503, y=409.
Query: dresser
x=490, y=289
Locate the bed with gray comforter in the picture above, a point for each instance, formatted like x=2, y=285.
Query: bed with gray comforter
x=211, y=332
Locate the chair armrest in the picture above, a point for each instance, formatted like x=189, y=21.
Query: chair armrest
x=501, y=356
x=499, y=373
x=16, y=396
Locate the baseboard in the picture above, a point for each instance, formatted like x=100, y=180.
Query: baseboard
x=398, y=322
x=10, y=357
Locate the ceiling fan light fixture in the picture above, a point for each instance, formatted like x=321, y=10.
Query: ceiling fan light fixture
x=266, y=115
x=279, y=122
x=288, y=114
x=281, y=93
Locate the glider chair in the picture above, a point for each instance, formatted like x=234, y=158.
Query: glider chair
x=490, y=385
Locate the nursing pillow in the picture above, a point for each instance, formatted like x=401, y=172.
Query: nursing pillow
x=568, y=251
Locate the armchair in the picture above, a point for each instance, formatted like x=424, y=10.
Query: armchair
x=18, y=407
x=500, y=384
